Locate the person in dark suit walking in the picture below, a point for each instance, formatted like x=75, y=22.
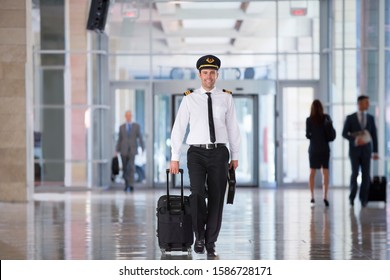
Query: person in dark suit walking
x=127, y=146
x=360, y=130
x=211, y=115
x=319, y=151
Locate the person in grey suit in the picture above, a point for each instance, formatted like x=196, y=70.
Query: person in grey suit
x=127, y=146
x=360, y=130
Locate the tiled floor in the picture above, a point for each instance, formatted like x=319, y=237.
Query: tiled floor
x=264, y=224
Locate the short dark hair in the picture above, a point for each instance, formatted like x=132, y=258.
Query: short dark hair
x=362, y=97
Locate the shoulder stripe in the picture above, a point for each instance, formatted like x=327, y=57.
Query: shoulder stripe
x=227, y=91
x=188, y=92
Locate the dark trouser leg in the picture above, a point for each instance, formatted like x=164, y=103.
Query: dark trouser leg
x=216, y=188
x=124, y=174
x=365, y=185
x=128, y=169
x=217, y=171
x=197, y=175
x=355, y=172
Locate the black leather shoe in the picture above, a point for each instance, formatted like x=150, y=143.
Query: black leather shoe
x=199, y=246
x=326, y=202
x=210, y=248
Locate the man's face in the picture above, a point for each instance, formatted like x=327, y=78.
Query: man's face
x=364, y=104
x=208, y=78
x=128, y=116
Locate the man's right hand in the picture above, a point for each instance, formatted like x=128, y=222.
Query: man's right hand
x=174, y=167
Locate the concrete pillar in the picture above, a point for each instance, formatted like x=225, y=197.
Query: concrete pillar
x=13, y=61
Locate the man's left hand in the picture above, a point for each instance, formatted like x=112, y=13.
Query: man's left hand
x=233, y=164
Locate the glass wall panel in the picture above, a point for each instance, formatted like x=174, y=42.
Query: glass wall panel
x=350, y=90
x=338, y=24
x=350, y=23
x=267, y=138
x=125, y=67
x=299, y=67
x=67, y=116
x=338, y=77
x=387, y=106
x=246, y=116
x=367, y=21
x=295, y=144
x=368, y=74
x=340, y=146
x=298, y=26
x=233, y=67
x=162, y=133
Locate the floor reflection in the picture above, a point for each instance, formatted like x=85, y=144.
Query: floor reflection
x=319, y=234
x=261, y=224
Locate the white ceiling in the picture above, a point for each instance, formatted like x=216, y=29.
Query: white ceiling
x=210, y=26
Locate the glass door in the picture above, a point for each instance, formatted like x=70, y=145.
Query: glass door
x=294, y=101
x=131, y=97
x=255, y=114
x=247, y=112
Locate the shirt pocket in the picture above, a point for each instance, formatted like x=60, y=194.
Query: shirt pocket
x=219, y=112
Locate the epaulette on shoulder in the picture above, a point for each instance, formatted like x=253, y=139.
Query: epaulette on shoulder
x=188, y=92
x=227, y=91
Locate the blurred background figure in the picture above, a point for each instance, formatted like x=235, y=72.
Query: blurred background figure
x=129, y=140
x=319, y=130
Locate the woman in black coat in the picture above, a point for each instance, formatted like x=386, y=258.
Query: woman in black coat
x=319, y=151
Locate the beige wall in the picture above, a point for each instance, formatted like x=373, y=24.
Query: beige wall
x=13, y=58
x=77, y=18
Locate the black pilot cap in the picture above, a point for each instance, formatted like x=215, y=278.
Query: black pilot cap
x=208, y=62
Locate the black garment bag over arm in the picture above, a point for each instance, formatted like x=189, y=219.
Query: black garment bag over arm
x=174, y=221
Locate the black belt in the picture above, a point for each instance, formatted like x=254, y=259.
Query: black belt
x=208, y=146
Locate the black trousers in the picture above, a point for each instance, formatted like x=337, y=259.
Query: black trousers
x=211, y=167
x=128, y=169
x=360, y=159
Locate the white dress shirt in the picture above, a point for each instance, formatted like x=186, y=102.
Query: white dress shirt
x=362, y=118
x=193, y=110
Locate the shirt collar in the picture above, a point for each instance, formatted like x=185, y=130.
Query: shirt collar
x=202, y=90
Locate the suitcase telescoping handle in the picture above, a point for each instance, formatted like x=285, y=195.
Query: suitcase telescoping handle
x=181, y=187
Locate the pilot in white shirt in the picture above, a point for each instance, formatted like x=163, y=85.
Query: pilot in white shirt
x=214, y=139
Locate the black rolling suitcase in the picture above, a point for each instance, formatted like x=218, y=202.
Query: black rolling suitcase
x=377, y=191
x=174, y=222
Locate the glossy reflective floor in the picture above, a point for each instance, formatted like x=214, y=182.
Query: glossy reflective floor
x=264, y=224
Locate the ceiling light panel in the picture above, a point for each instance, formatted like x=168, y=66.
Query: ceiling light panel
x=207, y=40
x=210, y=5
x=210, y=23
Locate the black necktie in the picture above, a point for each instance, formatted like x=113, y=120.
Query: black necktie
x=211, y=120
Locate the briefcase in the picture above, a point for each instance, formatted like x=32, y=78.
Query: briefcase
x=114, y=167
x=377, y=191
x=231, y=186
